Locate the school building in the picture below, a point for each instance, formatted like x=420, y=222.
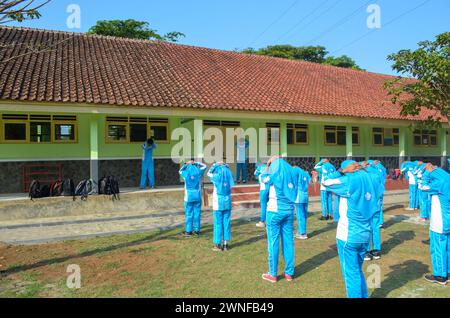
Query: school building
x=79, y=106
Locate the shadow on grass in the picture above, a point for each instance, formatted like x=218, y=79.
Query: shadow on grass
x=316, y=261
x=397, y=239
x=394, y=207
x=164, y=234
x=400, y=275
x=394, y=220
x=328, y=227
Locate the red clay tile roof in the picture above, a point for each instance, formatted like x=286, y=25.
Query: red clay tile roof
x=80, y=68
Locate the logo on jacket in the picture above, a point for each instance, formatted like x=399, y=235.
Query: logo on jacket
x=368, y=196
x=290, y=186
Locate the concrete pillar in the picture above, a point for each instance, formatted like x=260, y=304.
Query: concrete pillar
x=402, y=146
x=198, y=140
x=315, y=133
x=283, y=139
x=349, y=142
x=443, y=141
x=93, y=147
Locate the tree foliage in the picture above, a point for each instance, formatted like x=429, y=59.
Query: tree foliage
x=20, y=10
x=315, y=54
x=132, y=29
x=428, y=82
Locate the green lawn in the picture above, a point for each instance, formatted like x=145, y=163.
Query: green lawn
x=164, y=264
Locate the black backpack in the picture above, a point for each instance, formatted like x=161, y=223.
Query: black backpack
x=68, y=188
x=109, y=186
x=35, y=190
x=84, y=188
x=56, y=188
x=45, y=191
x=103, y=186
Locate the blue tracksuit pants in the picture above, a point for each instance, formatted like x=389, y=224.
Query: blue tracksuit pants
x=148, y=171
x=413, y=196
x=440, y=253
x=263, y=199
x=222, y=226
x=375, y=237
x=327, y=202
x=192, y=212
x=381, y=211
x=425, y=204
x=336, y=208
x=351, y=258
x=301, y=210
x=241, y=171
x=280, y=225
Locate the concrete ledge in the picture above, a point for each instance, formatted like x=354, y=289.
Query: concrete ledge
x=131, y=202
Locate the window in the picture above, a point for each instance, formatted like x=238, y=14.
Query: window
x=385, y=136
x=159, y=129
x=15, y=128
x=355, y=136
x=117, y=132
x=136, y=129
x=297, y=134
x=273, y=133
x=65, y=128
x=427, y=138
x=335, y=135
x=40, y=132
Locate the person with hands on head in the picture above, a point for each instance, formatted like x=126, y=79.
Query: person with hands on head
x=148, y=168
x=301, y=203
x=192, y=172
x=263, y=194
x=324, y=168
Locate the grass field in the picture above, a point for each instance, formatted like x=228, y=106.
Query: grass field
x=164, y=264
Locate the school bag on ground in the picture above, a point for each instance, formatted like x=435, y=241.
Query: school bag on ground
x=68, y=188
x=84, y=188
x=36, y=191
x=56, y=188
x=109, y=186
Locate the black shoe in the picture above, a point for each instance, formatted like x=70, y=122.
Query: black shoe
x=376, y=254
x=368, y=257
x=217, y=248
x=436, y=279
x=330, y=217
x=197, y=233
x=324, y=218
x=225, y=247
x=187, y=234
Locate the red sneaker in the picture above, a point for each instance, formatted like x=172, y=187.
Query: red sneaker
x=269, y=278
x=289, y=278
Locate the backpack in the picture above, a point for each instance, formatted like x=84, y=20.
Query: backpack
x=56, y=188
x=103, y=186
x=68, y=188
x=109, y=186
x=45, y=191
x=35, y=190
x=84, y=188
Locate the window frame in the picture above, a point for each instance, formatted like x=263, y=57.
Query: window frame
x=356, y=130
x=51, y=131
x=151, y=124
x=419, y=133
x=117, y=123
x=306, y=130
x=383, y=133
x=335, y=130
x=15, y=121
x=65, y=122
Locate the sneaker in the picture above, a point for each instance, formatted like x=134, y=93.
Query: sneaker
x=269, y=278
x=376, y=254
x=423, y=219
x=324, y=218
x=261, y=224
x=409, y=209
x=381, y=226
x=368, y=257
x=330, y=217
x=217, y=248
x=225, y=247
x=436, y=279
x=244, y=182
x=301, y=236
x=197, y=233
x=289, y=278
x=187, y=234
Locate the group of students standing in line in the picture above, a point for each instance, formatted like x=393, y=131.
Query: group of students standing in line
x=358, y=190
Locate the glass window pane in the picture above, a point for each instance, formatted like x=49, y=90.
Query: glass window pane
x=417, y=140
x=396, y=139
x=355, y=139
x=138, y=132
x=159, y=132
x=65, y=132
x=40, y=132
x=117, y=132
x=378, y=139
x=301, y=136
x=388, y=141
x=425, y=139
x=330, y=137
x=342, y=138
x=290, y=136
x=433, y=140
x=15, y=131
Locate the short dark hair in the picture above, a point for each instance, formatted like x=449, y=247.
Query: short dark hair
x=150, y=141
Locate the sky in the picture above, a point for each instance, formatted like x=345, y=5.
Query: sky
x=339, y=25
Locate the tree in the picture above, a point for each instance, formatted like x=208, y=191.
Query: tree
x=132, y=29
x=428, y=82
x=342, y=61
x=20, y=10
x=315, y=54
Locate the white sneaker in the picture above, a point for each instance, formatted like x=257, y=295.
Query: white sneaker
x=409, y=209
x=301, y=236
x=261, y=224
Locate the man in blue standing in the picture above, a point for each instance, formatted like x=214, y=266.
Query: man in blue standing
x=424, y=196
x=148, y=169
x=437, y=184
x=301, y=203
x=223, y=180
x=325, y=168
x=407, y=169
x=241, y=159
x=358, y=204
x=192, y=173
x=263, y=194
x=282, y=181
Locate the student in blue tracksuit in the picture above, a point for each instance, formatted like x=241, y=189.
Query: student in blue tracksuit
x=223, y=180
x=437, y=183
x=241, y=159
x=148, y=169
x=301, y=203
x=407, y=169
x=383, y=173
x=359, y=203
x=263, y=194
x=282, y=181
x=192, y=173
x=424, y=196
x=325, y=168
x=379, y=180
